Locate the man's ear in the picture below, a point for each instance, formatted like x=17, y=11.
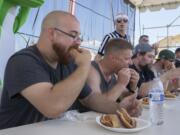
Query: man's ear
x=162, y=61
x=110, y=56
x=51, y=34
x=113, y=59
x=138, y=55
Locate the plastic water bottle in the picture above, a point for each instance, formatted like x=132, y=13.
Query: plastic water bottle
x=156, y=96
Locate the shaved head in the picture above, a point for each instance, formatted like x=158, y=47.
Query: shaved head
x=57, y=35
x=117, y=44
x=56, y=18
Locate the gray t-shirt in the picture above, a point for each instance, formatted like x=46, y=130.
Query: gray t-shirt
x=25, y=68
x=105, y=86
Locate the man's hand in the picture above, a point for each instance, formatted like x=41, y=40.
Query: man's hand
x=132, y=105
x=81, y=56
x=124, y=76
x=134, y=79
x=171, y=74
x=169, y=66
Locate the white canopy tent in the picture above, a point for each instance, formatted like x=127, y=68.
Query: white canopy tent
x=155, y=5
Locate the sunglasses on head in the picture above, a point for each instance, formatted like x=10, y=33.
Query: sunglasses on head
x=122, y=20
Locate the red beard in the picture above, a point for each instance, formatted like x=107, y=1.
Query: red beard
x=63, y=53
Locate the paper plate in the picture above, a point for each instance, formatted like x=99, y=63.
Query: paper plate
x=141, y=125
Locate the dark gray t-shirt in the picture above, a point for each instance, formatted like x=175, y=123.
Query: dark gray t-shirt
x=25, y=68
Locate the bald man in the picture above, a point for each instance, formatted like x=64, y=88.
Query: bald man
x=41, y=81
x=45, y=80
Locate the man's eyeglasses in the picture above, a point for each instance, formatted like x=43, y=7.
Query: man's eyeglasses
x=75, y=37
x=122, y=20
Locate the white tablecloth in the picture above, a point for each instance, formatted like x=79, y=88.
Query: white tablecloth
x=74, y=123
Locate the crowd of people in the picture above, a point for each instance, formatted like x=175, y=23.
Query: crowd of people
x=55, y=75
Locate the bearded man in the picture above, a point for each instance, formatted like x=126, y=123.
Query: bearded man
x=47, y=79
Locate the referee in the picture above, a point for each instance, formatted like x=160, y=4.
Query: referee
x=121, y=23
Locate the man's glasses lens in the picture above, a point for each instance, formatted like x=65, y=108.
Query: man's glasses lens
x=75, y=37
x=79, y=39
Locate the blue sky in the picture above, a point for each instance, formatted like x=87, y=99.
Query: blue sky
x=158, y=18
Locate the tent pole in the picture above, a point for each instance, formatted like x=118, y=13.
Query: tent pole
x=72, y=6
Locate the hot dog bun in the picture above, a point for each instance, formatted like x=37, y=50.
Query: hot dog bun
x=168, y=94
x=126, y=119
x=110, y=120
x=121, y=119
x=145, y=101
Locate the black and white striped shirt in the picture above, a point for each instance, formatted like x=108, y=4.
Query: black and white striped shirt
x=109, y=36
